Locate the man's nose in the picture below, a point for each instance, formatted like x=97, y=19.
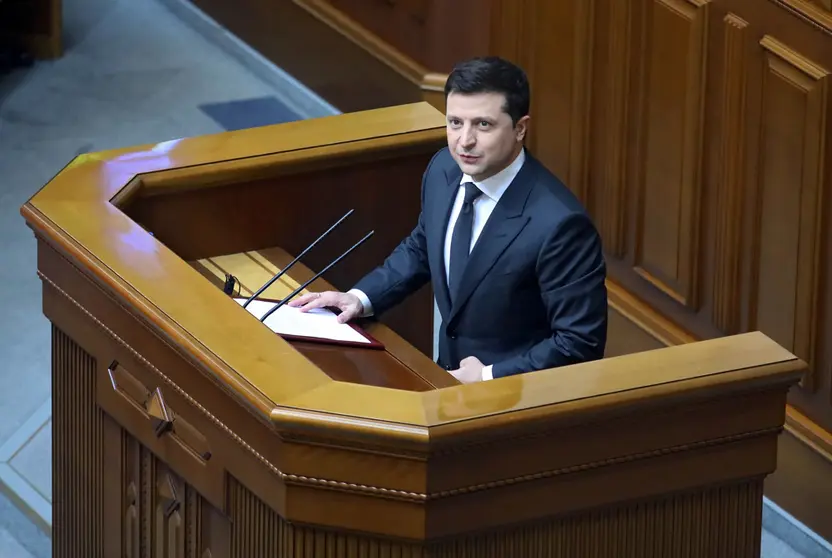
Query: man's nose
x=469, y=138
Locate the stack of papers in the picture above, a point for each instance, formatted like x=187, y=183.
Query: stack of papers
x=319, y=323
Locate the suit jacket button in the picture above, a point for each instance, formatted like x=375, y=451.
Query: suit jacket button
x=451, y=336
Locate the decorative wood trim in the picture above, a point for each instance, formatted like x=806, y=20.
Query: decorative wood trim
x=433, y=90
x=147, y=482
x=802, y=428
x=728, y=240
x=433, y=81
x=148, y=470
x=78, y=466
x=811, y=14
x=811, y=79
x=614, y=189
x=717, y=521
x=526, y=57
x=158, y=372
x=643, y=316
x=507, y=28
x=367, y=40
x=685, y=284
x=579, y=125
x=607, y=462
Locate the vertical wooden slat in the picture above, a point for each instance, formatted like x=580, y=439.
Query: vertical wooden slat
x=77, y=468
x=707, y=520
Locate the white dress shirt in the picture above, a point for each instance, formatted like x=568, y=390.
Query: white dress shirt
x=492, y=188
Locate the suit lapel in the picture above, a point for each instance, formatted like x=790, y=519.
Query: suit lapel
x=436, y=252
x=503, y=226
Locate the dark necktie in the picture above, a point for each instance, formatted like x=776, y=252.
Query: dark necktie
x=461, y=240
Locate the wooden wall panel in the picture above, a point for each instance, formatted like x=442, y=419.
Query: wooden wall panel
x=610, y=115
x=788, y=216
x=561, y=100
x=666, y=247
x=705, y=128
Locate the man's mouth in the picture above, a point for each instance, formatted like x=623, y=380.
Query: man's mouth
x=468, y=158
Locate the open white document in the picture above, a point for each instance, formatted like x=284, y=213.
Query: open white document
x=319, y=322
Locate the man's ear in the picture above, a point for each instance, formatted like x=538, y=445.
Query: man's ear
x=521, y=128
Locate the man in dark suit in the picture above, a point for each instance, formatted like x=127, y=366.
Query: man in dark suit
x=515, y=261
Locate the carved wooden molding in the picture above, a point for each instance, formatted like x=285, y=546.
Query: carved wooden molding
x=367, y=40
x=813, y=15
x=132, y=541
x=152, y=404
x=78, y=471
x=811, y=81
x=579, y=126
x=774, y=431
x=378, y=491
x=728, y=241
x=802, y=428
x=400, y=494
x=678, y=278
x=613, y=189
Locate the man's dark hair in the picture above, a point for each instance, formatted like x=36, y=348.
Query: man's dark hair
x=491, y=74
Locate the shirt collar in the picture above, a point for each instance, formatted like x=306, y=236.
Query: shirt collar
x=495, y=186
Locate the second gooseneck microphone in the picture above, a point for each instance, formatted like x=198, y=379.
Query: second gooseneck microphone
x=321, y=272
x=280, y=273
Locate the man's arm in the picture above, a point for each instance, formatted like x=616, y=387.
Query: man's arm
x=404, y=271
x=571, y=273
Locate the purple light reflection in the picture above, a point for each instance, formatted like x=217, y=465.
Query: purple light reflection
x=119, y=170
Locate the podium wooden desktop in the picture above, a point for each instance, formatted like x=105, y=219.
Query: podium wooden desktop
x=185, y=427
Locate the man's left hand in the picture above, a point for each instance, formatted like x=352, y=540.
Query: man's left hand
x=469, y=371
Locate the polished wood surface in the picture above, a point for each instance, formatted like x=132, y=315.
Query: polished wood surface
x=235, y=209
x=399, y=366
x=183, y=427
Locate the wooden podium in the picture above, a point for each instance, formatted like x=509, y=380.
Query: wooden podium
x=185, y=427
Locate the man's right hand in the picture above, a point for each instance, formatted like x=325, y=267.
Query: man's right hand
x=349, y=304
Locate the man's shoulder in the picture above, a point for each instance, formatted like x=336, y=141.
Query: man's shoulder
x=551, y=194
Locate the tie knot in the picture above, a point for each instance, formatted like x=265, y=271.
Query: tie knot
x=471, y=192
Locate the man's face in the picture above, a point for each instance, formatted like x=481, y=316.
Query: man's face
x=481, y=136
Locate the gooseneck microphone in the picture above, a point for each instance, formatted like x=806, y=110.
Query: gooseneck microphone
x=280, y=273
x=324, y=270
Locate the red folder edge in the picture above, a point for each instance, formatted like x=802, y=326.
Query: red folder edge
x=373, y=342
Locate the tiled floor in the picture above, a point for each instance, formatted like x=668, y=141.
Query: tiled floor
x=134, y=72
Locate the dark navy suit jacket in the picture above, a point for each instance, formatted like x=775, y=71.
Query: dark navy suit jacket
x=532, y=295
